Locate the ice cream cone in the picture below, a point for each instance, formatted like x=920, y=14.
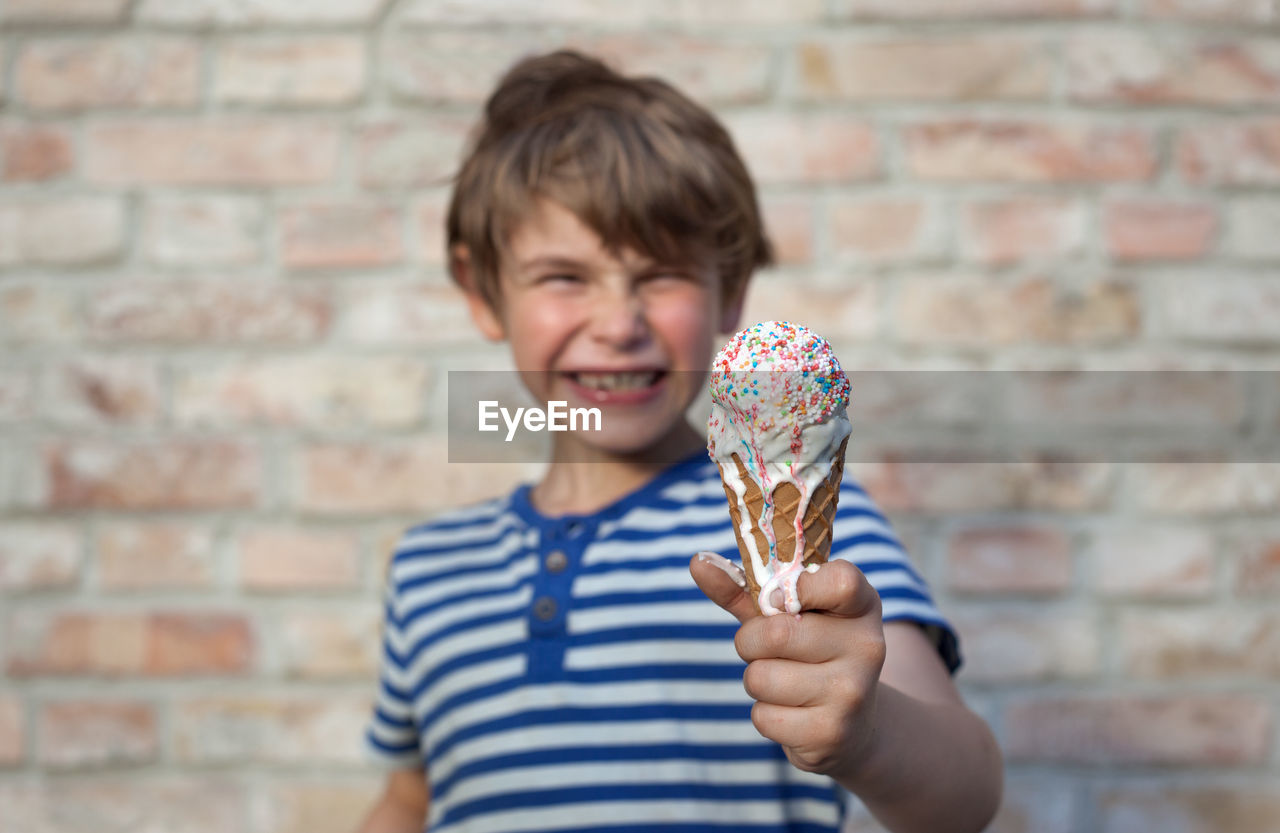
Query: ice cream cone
x=820, y=514
x=778, y=432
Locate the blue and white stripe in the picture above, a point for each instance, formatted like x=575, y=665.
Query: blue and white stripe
x=624, y=711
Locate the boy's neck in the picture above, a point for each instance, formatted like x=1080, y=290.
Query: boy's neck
x=582, y=479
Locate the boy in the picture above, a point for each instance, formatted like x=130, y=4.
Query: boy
x=552, y=661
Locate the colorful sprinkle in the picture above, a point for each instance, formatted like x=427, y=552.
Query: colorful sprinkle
x=776, y=370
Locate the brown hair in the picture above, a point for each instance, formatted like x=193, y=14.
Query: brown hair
x=633, y=158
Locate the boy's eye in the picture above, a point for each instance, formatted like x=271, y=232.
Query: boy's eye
x=560, y=277
x=667, y=274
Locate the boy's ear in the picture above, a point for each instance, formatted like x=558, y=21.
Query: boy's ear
x=484, y=316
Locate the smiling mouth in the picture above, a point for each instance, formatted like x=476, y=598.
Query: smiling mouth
x=621, y=381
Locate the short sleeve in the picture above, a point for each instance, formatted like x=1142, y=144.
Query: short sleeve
x=863, y=536
x=391, y=738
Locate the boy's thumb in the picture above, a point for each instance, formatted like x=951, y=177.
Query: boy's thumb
x=723, y=583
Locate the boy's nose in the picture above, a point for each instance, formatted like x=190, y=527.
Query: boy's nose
x=619, y=321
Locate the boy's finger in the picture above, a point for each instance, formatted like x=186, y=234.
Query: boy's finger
x=723, y=583
x=838, y=588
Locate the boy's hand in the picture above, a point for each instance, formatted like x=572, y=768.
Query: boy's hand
x=814, y=676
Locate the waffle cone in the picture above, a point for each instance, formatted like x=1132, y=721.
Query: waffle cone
x=818, y=520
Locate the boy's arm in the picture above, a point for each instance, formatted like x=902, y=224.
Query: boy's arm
x=934, y=764
x=402, y=807
x=893, y=732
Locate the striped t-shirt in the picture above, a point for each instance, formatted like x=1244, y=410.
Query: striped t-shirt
x=565, y=674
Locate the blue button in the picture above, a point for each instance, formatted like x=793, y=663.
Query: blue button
x=556, y=561
x=544, y=609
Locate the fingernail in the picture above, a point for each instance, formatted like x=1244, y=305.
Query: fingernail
x=777, y=599
x=734, y=571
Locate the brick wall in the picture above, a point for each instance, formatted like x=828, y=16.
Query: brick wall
x=224, y=325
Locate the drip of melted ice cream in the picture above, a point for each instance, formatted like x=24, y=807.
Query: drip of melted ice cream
x=778, y=401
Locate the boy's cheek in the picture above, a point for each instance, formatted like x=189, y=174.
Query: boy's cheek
x=690, y=330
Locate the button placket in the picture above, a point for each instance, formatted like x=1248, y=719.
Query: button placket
x=550, y=603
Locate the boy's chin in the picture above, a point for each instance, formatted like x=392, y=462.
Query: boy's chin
x=622, y=444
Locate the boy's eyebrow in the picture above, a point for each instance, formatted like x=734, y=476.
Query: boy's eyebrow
x=566, y=262
x=554, y=261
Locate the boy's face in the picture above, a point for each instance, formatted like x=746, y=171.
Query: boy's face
x=624, y=334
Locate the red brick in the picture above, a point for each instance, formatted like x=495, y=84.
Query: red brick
x=148, y=644
x=325, y=392
x=1236, y=152
x=1013, y=151
x=270, y=729
x=203, y=230
x=1187, y=730
x=330, y=645
x=1022, y=229
x=1043, y=645
x=910, y=482
x=401, y=155
x=1257, y=564
x=195, y=312
x=405, y=314
x=353, y=479
x=116, y=72
x=297, y=806
x=61, y=231
x=949, y=9
x=38, y=313
x=1223, y=308
x=283, y=559
x=203, y=803
x=1251, y=228
x=1200, y=644
x=848, y=311
x=37, y=555
x=235, y=151
x=316, y=70
x=171, y=474
x=885, y=230
x=1147, y=68
x=183, y=644
x=146, y=555
x=260, y=12
x=1154, y=562
x=12, y=732
x=332, y=235
x=1010, y=560
x=1187, y=808
x=920, y=69
x=86, y=733
x=959, y=310
x=63, y=11
x=35, y=152
x=96, y=390
x=789, y=223
x=1205, y=488
x=1154, y=230
x=806, y=148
